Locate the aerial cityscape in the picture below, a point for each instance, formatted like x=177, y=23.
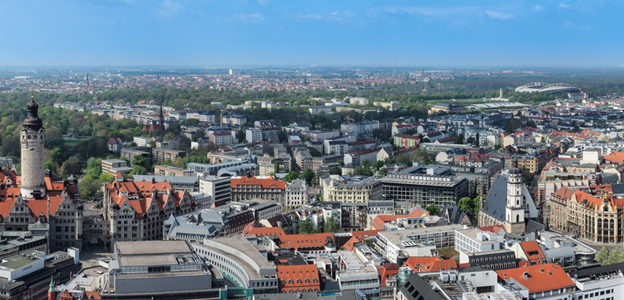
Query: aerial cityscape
x=183, y=149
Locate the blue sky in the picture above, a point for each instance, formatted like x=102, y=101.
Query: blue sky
x=230, y=33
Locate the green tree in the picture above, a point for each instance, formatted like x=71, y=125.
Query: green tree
x=276, y=167
x=615, y=256
x=378, y=164
x=433, y=210
x=466, y=204
x=308, y=175
x=602, y=255
x=335, y=171
x=305, y=227
x=139, y=160
x=291, y=176
x=138, y=170
x=331, y=225
x=71, y=166
x=459, y=139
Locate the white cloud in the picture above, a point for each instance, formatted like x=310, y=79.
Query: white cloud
x=563, y=5
x=310, y=16
x=497, y=15
x=537, y=7
x=263, y=2
x=255, y=17
x=168, y=8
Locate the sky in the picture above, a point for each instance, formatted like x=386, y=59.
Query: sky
x=237, y=33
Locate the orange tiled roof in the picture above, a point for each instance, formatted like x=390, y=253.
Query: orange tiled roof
x=532, y=251
x=305, y=241
x=494, y=229
x=143, y=190
x=429, y=264
x=539, y=278
x=266, y=183
x=263, y=231
x=366, y=234
x=350, y=244
x=387, y=271
x=298, y=278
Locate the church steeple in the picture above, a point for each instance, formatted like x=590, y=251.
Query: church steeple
x=515, y=208
x=161, y=118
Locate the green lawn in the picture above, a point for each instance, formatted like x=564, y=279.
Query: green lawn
x=71, y=143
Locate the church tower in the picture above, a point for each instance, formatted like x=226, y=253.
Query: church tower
x=32, y=140
x=514, y=210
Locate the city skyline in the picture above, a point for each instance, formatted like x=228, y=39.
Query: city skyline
x=268, y=32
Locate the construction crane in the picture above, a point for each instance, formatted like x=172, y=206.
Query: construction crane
x=349, y=122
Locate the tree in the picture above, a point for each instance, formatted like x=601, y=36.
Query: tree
x=139, y=160
x=331, y=225
x=276, y=167
x=291, y=176
x=433, y=210
x=71, y=166
x=335, y=171
x=466, y=204
x=308, y=175
x=602, y=255
x=305, y=227
x=138, y=170
x=459, y=139
x=378, y=164
x=615, y=256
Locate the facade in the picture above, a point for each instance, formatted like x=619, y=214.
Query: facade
x=296, y=194
x=351, y=192
x=158, y=270
x=30, y=276
x=238, y=258
x=582, y=214
x=392, y=243
x=475, y=240
x=218, y=188
x=112, y=166
x=161, y=155
x=250, y=188
x=164, y=170
x=423, y=186
x=406, y=141
x=136, y=210
x=222, y=138
x=32, y=140
x=253, y=135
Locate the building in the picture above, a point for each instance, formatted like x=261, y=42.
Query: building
x=351, y=192
x=540, y=281
x=218, y=188
x=158, y=270
x=424, y=186
x=179, y=183
x=114, y=166
x=162, y=155
x=30, y=275
x=242, y=261
x=196, y=226
x=296, y=194
x=35, y=198
x=446, y=108
x=298, y=278
x=397, y=245
x=250, y=188
x=357, y=272
x=406, y=141
x=115, y=145
x=581, y=213
x=221, y=139
x=508, y=203
x=130, y=153
x=253, y=135
x=476, y=240
x=164, y=170
x=136, y=210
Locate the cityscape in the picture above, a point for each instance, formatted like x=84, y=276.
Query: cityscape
x=171, y=167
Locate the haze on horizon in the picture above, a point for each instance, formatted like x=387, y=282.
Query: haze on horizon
x=225, y=33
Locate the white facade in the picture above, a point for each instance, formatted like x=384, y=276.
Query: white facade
x=253, y=135
x=296, y=193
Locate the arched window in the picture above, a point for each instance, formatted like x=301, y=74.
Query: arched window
x=517, y=218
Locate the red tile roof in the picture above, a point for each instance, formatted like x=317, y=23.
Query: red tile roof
x=305, y=241
x=387, y=271
x=429, y=264
x=298, y=278
x=494, y=229
x=539, y=278
x=532, y=251
x=266, y=183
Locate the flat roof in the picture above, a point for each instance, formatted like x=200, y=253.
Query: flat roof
x=241, y=244
x=400, y=236
x=153, y=248
x=18, y=261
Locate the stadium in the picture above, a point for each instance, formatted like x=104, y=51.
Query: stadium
x=542, y=87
